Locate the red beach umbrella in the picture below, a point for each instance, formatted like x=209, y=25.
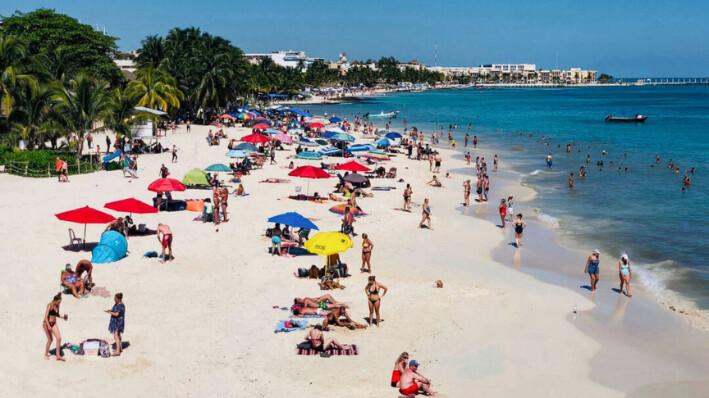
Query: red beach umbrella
x=131, y=205
x=226, y=116
x=309, y=172
x=352, y=166
x=85, y=215
x=255, y=138
x=261, y=126
x=166, y=184
x=316, y=125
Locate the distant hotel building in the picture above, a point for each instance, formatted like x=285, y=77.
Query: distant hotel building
x=289, y=59
x=518, y=73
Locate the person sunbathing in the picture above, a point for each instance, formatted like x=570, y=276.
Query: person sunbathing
x=337, y=199
x=333, y=318
x=72, y=281
x=330, y=284
x=317, y=198
x=301, y=312
x=315, y=302
x=318, y=342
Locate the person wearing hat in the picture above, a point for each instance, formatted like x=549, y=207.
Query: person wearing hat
x=592, y=268
x=72, y=281
x=408, y=384
x=625, y=274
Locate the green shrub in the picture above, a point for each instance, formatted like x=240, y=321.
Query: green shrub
x=38, y=162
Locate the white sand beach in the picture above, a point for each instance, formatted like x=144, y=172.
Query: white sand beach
x=202, y=325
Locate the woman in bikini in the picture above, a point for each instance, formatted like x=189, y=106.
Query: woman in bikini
x=367, y=247
x=51, y=329
x=407, y=198
x=319, y=344
x=372, y=290
x=425, y=214
x=399, y=368
x=519, y=225
x=466, y=193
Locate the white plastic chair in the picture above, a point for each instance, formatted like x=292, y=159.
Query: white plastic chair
x=74, y=240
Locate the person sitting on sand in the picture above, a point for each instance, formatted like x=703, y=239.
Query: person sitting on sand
x=408, y=386
x=85, y=266
x=435, y=182
x=119, y=226
x=291, y=165
x=318, y=342
x=239, y=191
x=333, y=318
x=72, y=281
x=399, y=368
x=329, y=283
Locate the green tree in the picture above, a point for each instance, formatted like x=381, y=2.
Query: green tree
x=120, y=109
x=33, y=118
x=12, y=53
x=80, y=105
x=155, y=89
x=44, y=30
x=604, y=78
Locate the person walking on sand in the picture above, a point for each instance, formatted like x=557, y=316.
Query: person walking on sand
x=592, y=268
x=437, y=163
x=276, y=239
x=426, y=214
x=625, y=274
x=408, y=386
x=407, y=198
x=367, y=247
x=108, y=145
x=503, y=212
x=117, y=323
x=519, y=225
x=372, y=290
x=188, y=124
x=510, y=209
x=51, y=329
x=174, y=154
x=165, y=240
x=466, y=193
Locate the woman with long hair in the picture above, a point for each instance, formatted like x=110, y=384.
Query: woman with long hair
x=374, y=298
x=51, y=329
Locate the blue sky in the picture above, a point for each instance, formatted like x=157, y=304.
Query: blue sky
x=623, y=37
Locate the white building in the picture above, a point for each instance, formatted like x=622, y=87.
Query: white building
x=289, y=59
x=509, y=68
x=125, y=65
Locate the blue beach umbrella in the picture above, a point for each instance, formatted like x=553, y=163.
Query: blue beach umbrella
x=308, y=155
x=335, y=120
x=218, y=167
x=237, y=153
x=307, y=142
x=271, y=131
x=295, y=131
x=338, y=137
x=393, y=135
x=300, y=112
x=383, y=142
x=361, y=148
x=246, y=146
x=294, y=220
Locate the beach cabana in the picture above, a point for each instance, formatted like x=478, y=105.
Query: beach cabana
x=111, y=248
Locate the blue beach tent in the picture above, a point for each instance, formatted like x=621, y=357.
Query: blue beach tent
x=112, y=247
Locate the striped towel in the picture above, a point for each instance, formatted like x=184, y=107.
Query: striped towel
x=352, y=350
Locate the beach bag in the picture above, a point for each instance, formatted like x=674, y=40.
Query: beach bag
x=302, y=273
x=269, y=232
x=306, y=345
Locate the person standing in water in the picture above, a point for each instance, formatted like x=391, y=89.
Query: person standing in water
x=571, y=181
x=519, y=225
x=503, y=212
x=625, y=274
x=592, y=268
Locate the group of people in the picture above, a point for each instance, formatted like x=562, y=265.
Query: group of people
x=625, y=274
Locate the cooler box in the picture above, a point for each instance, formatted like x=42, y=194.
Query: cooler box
x=91, y=348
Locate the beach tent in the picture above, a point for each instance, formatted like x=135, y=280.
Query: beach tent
x=195, y=177
x=112, y=247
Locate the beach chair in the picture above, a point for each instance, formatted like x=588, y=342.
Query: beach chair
x=74, y=240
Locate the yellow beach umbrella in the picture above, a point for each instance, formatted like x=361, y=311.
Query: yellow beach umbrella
x=327, y=243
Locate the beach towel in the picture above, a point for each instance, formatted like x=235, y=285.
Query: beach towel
x=290, y=325
x=382, y=188
x=351, y=350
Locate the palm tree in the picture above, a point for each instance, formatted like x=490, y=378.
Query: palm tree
x=54, y=65
x=33, y=118
x=155, y=89
x=81, y=105
x=121, y=105
x=12, y=53
x=152, y=53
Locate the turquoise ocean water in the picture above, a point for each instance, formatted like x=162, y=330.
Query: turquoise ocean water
x=642, y=212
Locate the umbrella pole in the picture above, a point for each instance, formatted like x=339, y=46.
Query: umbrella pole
x=84, y=242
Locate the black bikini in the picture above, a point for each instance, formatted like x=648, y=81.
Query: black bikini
x=376, y=291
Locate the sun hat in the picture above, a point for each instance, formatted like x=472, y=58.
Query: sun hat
x=596, y=251
x=68, y=266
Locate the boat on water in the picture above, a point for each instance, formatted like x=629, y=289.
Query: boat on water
x=634, y=119
x=382, y=114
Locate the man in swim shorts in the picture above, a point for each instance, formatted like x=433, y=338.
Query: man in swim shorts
x=165, y=240
x=85, y=266
x=408, y=381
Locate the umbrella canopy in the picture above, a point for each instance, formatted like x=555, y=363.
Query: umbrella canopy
x=335, y=120
x=321, y=142
x=316, y=125
x=246, y=146
x=238, y=153
x=309, y=172
x=338, y=136
x=244, y=116
x=271, y=131
x=166, y=184
x=383, y=142
x=308, y=155
x=393, y=135
x=261, y=126
x=295, y=131
x=131, y=205
x=335, y=130
x=85, y=215
x=340, y=209
x=195, y=177
x=218, y=167
x=255, y=138
x=352, y=166
x=307, y=142
x=300, y=112
x=330, y=151
x=294, y=220
x=226, y=116
x=327, y=243
x=375, y=155
x=356, y=178
x=382, y=133
x=361, y=148
x=284, y=138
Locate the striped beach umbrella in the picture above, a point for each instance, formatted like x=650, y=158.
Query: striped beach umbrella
x=308, y=155
x=376, y=155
